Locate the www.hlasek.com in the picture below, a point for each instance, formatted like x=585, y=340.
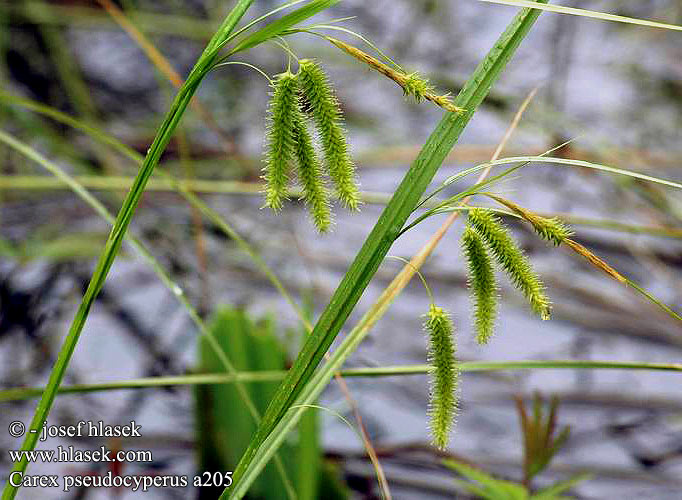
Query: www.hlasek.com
x=69, y=454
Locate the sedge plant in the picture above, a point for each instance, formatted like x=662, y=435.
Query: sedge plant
x=301, y=101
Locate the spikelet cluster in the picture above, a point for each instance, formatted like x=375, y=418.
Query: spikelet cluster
x=444, y=375
x=280, y=148
x=482, y=285
x=511, y=258
x=288, y=142
x=326, y=113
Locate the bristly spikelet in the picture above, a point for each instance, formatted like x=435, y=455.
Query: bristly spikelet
x=315, y=192
x=512, y=259
x=417, y=86
x=328, y=118
x=420, y=88
x=279, y=139
x=444, y=375
x=552, y=230
x=482, y=285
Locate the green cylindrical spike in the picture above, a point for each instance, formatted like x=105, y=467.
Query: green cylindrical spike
x=280, y=141
x=511, y=258
x=482, y=285
x=444, y=377
x=326, y=112
x=315, y=192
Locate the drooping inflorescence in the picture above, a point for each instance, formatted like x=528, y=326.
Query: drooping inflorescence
x=482, y=284
x=511, y=258
x=444, y=375
x=289, y=142
x=326, y=113
x=315, y=192
x=280, y=148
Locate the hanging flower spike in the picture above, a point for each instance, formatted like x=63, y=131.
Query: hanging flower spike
x=481, y=284
x=328, y=117
x=444, y=377
x=280, y=139
x=315, y=192
x=512, y=259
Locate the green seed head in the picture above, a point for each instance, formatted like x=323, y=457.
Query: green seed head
x=280, y=142
x=417, y=86
x=328, y=118
x=482, y=284
x=444, y=375
x=512, y=259
x=315, y=192
x=553, y=230
x=420, y=88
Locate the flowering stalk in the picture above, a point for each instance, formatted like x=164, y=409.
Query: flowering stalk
x=553, y=230
x=481, y=283
x=512, y=259
x=280, y=139
x=444, y=377
x=315, y=192
x=326, y=112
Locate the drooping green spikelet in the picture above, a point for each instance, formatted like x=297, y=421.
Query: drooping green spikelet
x=280, y=139
x=328, y=118
x=512, y=259
x=315, y=192
x=444, y=375
x=481, y=283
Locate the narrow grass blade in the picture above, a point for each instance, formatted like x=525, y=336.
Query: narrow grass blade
x=276, y=28
x=163, y=136
x=18, y=394
x=588, y=13
x=165, y=278
x=587, y=164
